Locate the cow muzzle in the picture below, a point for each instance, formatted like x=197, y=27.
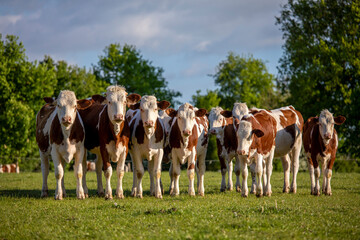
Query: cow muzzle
x=327, y=136
x=66, y=121
x=149, y=124
x=241, y=152
x=118, y=118
x=186, y=133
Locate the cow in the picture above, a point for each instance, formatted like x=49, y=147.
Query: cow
x=256, y=135
x=320, y=141
x=90, y=166
x=289, y=125
x=60, y=133
x=188, y=139
x=108, y=134
x=9, y=168
x=147, y=142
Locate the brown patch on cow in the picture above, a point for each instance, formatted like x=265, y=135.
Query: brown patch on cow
x=13, y=168
x=192, y=166
x=159, y=131
x=41, y=119
x=140, y=132
x=175, y=138
x=291, y=129
x=314, y=144
x=56, y=135
x=193, y=139
x=230, y=139
x=77, y=132
x=219, y=152
x=288, y=118
x=267, y=124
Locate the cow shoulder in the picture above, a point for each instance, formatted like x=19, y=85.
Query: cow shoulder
x=139, y=132
x=56, y=135
x=193, y=138
x=175, y=138
x=159, y=131
x=77, y=132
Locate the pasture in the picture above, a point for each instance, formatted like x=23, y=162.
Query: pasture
x=24, y=215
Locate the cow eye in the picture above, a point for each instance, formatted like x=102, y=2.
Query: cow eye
x=109, y=102
x=142, y=110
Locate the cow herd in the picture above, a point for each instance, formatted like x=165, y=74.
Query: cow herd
x=66, y=128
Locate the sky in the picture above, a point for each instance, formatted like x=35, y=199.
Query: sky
x=187, y=38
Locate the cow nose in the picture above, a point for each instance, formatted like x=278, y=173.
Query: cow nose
x=118, y=117
x=66, y=119
x=241, y=152
x=327, y=135
x=212, y=131
x=149, y=123
x=186, y=132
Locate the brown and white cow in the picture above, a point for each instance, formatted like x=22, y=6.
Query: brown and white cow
x=60, y=133
x=108, y=134
x=9, y=168
x=147, y=142
x=188, y=140
x=289, y=125
x=320, y=143
x=256, y=135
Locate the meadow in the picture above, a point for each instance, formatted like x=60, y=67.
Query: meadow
x=24, y=215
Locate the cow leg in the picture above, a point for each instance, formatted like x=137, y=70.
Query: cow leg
x=237, y=173
x=176, y=175
x=259, y=173
x=99, y=166
x=133, y=190
x=84, y=168
x=253, y=178
x=223, y=166
x=323, y=168
x=107, y=173
x=45, y=173
x=152, y=176
x=244, y=174
x=269, y=167
x=229, y=164
x=171, y=188
x=317, y=181
x=264, y=175
x=78, y=171
x=201, y=174
x=312, y=175
x=295, y=163
x=120, y=174
x=59, y=174
x=63, y=179
x=139, y=174
x=157, y=173
x=191, y=173
x=285, y=160
x=328, y=174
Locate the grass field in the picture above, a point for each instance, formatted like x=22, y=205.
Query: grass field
x=216, y=216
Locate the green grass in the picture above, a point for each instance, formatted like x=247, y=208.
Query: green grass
x=216, y=216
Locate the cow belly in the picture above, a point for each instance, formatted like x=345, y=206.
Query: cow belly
x=182, y=154
x=115, y=152
x=67, y=150
x=283, y=142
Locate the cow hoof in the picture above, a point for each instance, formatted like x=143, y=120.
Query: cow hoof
x=293, y=190
x=328, y=193
x=222, y=189
x=245, y=195
x=101, y=194
x=159, y=196
x=202, y=194
x=268, y=194
x=252, y=192
x=286, y=190
x=259, y=195
x=44, y=194
x=230, y=189
x=58, y=197
x=140, y=196
x=238, y=189
x=64, y=195
x=120, y=196
x=81, y=197
x=108, y=197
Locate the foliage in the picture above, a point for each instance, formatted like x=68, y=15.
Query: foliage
x=125, y=66
x=245, y=79
x=74, y=78
x=22, y=86
x=216, y=216
x=320, y=67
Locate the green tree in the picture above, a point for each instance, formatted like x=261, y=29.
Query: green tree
x=320, y=67
x=125, y=66
x=22, y=86
x=74, y=78
x=245, y=79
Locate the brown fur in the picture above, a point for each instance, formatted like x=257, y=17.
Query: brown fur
x=230, y=140
x=43, y=115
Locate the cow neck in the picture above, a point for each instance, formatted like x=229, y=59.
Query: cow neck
x=322, y=145
x=58, y=132
x=116, y=130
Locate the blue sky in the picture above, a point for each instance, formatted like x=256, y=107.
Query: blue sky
x=188, y=39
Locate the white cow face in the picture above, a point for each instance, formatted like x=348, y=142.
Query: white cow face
x=326, y=122
x=245, y=136
x=186, y=115
x=216, y=121
x=66, y=106
x=239, y=110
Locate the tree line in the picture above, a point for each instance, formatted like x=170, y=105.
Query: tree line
x=320, y=68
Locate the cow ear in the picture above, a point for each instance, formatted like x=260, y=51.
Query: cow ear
x=339, y=120
x=98, y=98
x=134, y=106
x=258, y=133
x=226, y=113
x=201, y=112
x=171, y=112
x=49, y=100
x=132, y=99
x=163, y=105
x=83, y=104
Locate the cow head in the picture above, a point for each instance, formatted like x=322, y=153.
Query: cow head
x=66, y=106
x=186, y=118
x=216, y=121
x=246, y=132
x=149, y=111
x=239, y=110
x=326, y=122
x=116, y=99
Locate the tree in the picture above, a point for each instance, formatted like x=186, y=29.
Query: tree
x=22, y=86
x=125, y=66
x=320, y=67
x=74, y=78
x=245, y=79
